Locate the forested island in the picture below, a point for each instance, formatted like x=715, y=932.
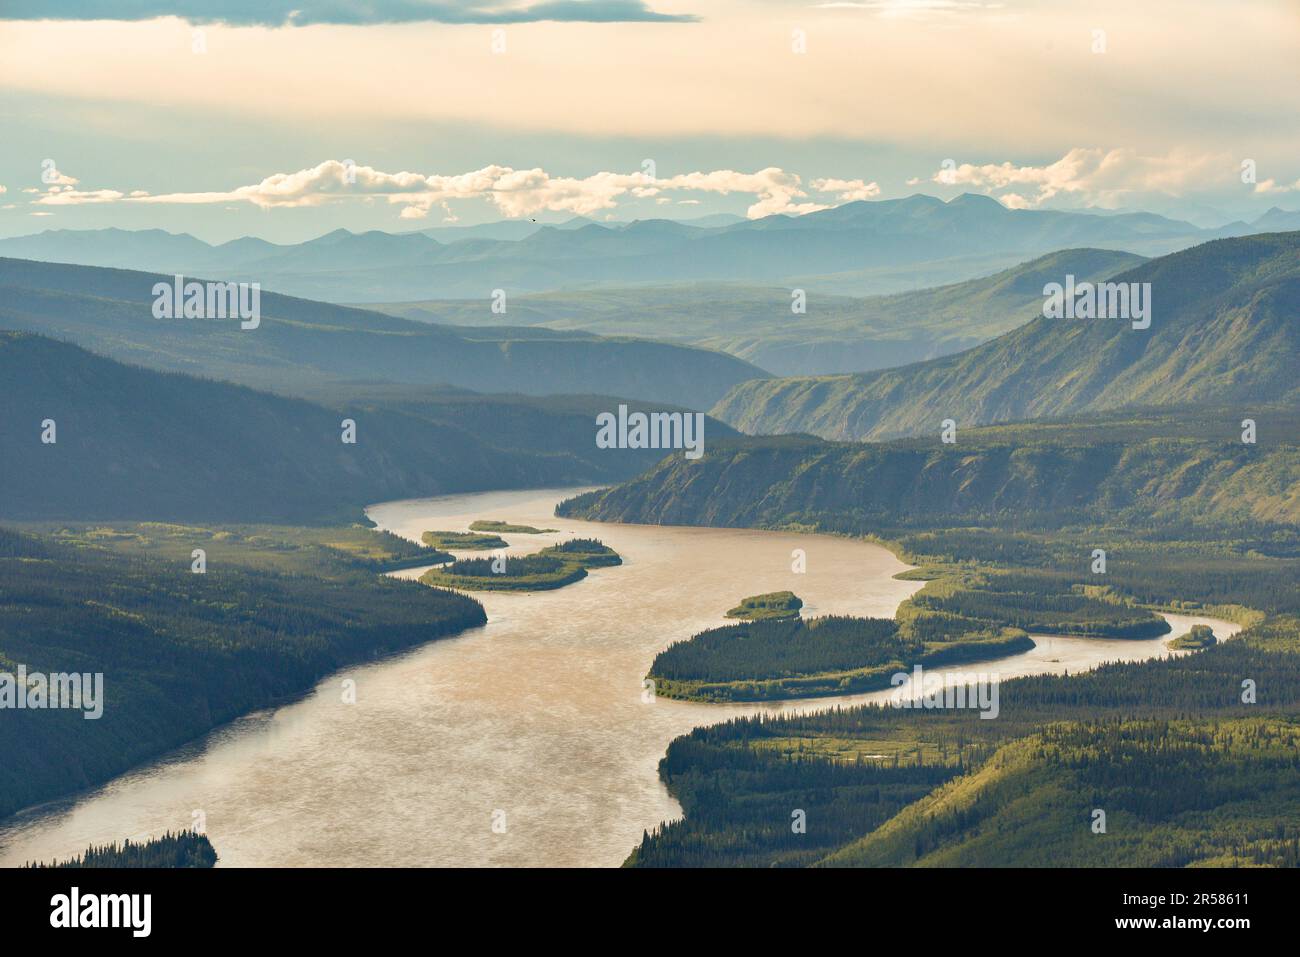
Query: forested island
x=550, y=568
x=776, y=659
x=773, y=605
x=464, y=541
x=490, y=525
x=960, y=615
x=1201, y=636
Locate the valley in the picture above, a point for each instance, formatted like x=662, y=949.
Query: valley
x=539, y=713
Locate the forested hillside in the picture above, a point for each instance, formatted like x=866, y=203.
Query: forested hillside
x=181, y=653
x=943, y=787
x=132, y=443
x=1187, y=465
x=1222, y=331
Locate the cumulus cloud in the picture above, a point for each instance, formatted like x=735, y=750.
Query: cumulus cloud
x=1096, y=177
x=847, y=190
x=283, y=13
x=1263, y=186
x=513, y=192
x=54, y=178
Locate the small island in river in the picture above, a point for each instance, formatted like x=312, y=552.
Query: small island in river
x=463, y=541
x=552, y=567
x=772, y=659
x=491, y=525
x=772, y=606
x=1201, y=636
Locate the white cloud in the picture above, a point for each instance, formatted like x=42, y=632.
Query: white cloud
x=67, y=196
x=1097, y=177
x=1272, y=186
x=848, y=190
x=513, y=192
x=53, y=178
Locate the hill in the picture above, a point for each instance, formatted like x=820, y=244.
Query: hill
x=300, y=345
x=836, y=334
x=1223, y=330
x=181, y=653
x=1187, y=464
x=1174, y=794
x=133, y=443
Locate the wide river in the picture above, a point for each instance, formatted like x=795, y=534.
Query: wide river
x=528, y=741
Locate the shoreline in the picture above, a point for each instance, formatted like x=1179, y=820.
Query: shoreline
x=235, y=728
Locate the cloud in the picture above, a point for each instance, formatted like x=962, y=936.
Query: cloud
x=299, y=13
x=848, y=190
x=52, y=177
x=1097, y=177
x=1263, y=186
x=513, y=192
x=67, y=196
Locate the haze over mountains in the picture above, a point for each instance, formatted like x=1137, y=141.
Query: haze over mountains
x=859, y=248
x=834, y=334
x=301, y=345
x=1223, y=330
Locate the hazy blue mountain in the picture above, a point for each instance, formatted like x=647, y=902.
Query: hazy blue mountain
x=1277, y=221
x=835, y=334
x=301, y=344
x=133, y=443
x=845, y=249
x=1223, y=329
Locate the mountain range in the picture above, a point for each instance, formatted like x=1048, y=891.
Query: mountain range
x=302, y=345
x=859, y=248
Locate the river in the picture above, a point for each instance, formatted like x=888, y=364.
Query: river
x=524, y=742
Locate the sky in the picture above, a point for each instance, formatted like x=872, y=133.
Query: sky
x=287, y=120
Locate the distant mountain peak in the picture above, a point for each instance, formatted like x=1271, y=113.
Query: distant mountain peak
x=976, y=200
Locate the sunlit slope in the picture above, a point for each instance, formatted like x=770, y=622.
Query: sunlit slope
x=1170, y=794
x=1224, y=329
x=1189, y=465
